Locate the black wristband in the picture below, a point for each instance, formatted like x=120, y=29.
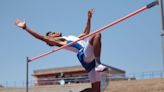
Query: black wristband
x=24, y=27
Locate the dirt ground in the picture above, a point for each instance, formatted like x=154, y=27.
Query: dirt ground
x=148, y=85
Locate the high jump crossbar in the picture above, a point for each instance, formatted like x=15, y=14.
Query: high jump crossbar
x=99, y=30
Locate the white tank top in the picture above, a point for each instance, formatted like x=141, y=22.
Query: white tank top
x=76, y=46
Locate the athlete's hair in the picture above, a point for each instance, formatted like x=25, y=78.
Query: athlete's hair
x=48, y=33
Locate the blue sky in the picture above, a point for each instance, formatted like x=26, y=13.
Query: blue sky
x=133, y=45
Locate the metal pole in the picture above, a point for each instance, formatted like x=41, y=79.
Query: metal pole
x=162, y=31
x=162, y=15
x=27, y=68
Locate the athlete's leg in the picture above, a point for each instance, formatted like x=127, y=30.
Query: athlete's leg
x=93, y=49
x=95, y=78
x=95, y=41
x=96, y=86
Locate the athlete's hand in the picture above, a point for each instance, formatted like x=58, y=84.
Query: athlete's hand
x=21, y=24
x=90, y=13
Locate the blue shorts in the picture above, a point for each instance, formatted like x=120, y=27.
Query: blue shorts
x=88, y=66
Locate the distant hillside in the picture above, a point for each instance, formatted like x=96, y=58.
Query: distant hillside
x=148, y=85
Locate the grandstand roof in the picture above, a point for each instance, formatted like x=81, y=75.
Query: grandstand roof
x=77, y=68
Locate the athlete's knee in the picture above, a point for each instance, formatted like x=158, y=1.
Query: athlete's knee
x=98, y=35
x=94, y=37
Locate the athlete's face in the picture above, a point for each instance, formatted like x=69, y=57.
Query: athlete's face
x=55, y=34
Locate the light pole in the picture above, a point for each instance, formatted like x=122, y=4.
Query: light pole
x=162, y=31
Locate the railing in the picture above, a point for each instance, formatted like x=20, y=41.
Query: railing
x=62, y=81
x=146, y=75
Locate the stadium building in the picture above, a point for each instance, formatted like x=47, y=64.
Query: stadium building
x=70, y=75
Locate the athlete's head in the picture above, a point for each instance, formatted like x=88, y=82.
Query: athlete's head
x=54, y=34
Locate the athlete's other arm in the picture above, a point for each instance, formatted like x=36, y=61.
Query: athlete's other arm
x=46, y=39
x=88, y=26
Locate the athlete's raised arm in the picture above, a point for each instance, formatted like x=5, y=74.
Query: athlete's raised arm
x=88, y=26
